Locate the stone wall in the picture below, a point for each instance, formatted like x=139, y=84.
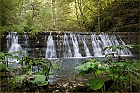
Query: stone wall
x=37, y=44
x=130, y=37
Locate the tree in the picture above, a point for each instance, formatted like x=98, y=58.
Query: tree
x=45, y=15
x=98, y=7
x=121, y=16
x=54, y=13
x=8, y=10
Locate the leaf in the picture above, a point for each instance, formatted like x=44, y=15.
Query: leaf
x=17, y=78
x=81, y=73
x=121, y=46
x=107, y=48
x=30, y=73
x=2, y=66
x=8, y=69
x=81, y=67
x=86, y=66
x=96, y=84
x=16, y=57
x=114, y=48
x=43, y=83
x=98, y=72
x=109, y=55
x=51, y=73
x=40, y=80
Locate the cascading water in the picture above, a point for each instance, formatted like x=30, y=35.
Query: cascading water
x=75, y=45
x=70, y=45
x=86, y=48
x=97, y=46
x=50, y=51
x=106, y=42
x=8, y=40
x=66, y=47
x=15, y=47
x=111, y=40
x=125, y=51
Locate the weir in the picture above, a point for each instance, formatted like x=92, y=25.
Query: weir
x=65, y=44
x=72, y=48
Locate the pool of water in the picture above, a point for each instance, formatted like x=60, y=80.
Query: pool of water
x=67, y=72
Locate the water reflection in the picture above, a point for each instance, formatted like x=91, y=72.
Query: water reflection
x=67, y=72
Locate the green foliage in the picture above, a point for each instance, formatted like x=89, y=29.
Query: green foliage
x=39, y=15
x=121, y=16
x=17, y=81
x=8, y=12
x=96, y=84
x=123, y=72
x=92, y=67
x=40, y=80
x=4, y=61
x=32, y=71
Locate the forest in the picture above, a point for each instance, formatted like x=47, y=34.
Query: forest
x=70, y=15
x=111, y=74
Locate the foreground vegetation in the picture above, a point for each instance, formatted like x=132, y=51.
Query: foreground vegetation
x=112, y=74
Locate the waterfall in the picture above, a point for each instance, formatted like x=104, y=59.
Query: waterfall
x=97, y=46
x=8, y=40
x=86, y=48
x=15, y=47
x=66, y=47
x=125, y=51
x=50, y=51
x=106, y=42
x=75, y=45
x=111, y=40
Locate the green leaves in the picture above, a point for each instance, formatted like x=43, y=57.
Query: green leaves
x=87, y=64
x=34, y=71
x=2, y=66
x=90, y=66
x=120, y=71
x=114, y=48
x=96, y=84
x=40, y=80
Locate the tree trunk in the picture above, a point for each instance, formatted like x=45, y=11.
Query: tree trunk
x=0, y=35
x=0, y=25
x=54, y=13
x=99, y=20
x=81, y=12
x=0, y=43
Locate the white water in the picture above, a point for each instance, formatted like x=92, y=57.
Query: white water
x=111, y=40
x=75, y=45
x=125, y=51
x=86, y=48
x=8, y=40
x=97, y=46
x=15, y=47
x=66, y=47
x=98, y=42
x=50, y=51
